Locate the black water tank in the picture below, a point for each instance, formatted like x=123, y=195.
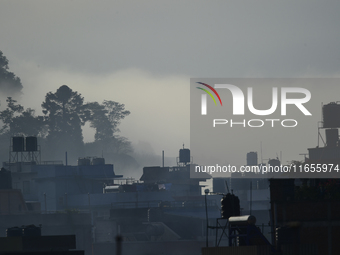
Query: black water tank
x=98, y=161
x=287, y=235
x=31, y=230
x=230, y=206
x=18, y=143
x=184, y=156
x=252, y=158
x=331, y=115
x=31, y=143
x=332, y=137
x=14, y=231
x=155, y=214
x=84, y=161
x=274, y=162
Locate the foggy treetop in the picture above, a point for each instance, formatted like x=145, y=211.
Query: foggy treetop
x=10, y=84
x=65, y=113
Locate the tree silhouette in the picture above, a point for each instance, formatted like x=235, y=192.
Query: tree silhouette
x=64, y=115
x=27, y=124
x=9, y=83
x=116, y=112
x=100, y=121
x=7, y=115
x=17, y=121
x=105, y=118
x=122, y=145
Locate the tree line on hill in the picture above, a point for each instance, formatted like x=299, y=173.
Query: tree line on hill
x=59, y=129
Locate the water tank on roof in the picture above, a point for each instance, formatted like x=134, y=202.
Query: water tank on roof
x=252, y=158
x=31, y=230
x=331, y=115
x=230, y=206
x=332, y=137
x=31, y=143
x=184, y=156
x=14, y=231
x=155, y=214
x=98, y=161
x=288, y=234
x=18, y=143
x=242, y=220
x=84, y=161
x=274, y=162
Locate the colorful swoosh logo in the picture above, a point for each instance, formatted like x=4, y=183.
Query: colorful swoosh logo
x=209, y=93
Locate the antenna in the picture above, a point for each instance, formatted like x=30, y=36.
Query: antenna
x=226, y=183
x=163, y=158
x=261, y=154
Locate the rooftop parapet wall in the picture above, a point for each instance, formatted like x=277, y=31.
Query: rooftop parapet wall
x=89, y=171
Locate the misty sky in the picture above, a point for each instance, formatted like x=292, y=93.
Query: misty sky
x=143, y=53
